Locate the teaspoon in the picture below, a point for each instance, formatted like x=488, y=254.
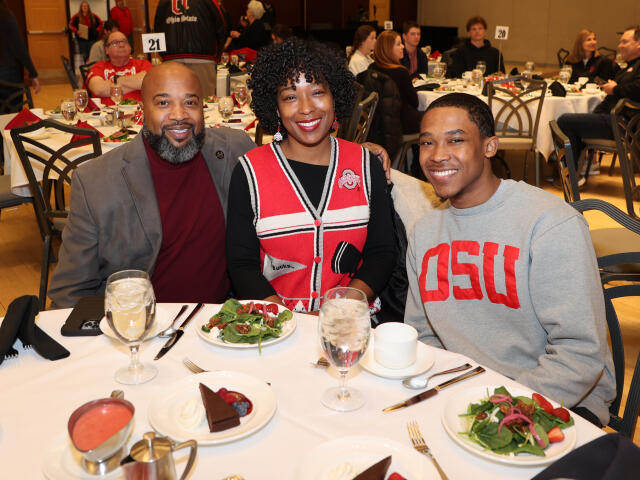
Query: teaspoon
x=417, y=383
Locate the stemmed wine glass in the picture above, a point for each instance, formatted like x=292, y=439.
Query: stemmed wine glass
x=116, y=93
x=68, y=109
x=224, y=58
x=525, y=79
x=482, y=66
x=344, y=329
x=242, y=94
x=439, y=70
x=130, y=305
x=477, y=78
x=225, y=107
x=529, y=65
x=81, y=98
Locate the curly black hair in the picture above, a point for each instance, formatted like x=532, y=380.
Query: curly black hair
x=279, y=64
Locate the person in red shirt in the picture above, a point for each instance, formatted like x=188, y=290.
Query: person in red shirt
x=94, y=28
x=121, y=14
x=120, y=68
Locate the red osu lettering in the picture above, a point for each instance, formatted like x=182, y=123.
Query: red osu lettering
x=442, y=272
x=179, y=6
x=511, y=254
x=474, y=292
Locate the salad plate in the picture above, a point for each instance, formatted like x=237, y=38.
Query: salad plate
x=165, y=410
x=361, y=452
x=61, y=462
x=424, y=361
x=162, y=322
x=454, y=424
x=212, y=337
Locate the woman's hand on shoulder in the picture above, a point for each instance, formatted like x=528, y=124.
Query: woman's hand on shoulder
x=382, y=155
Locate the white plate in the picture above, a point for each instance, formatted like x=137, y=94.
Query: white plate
x=62, y=462
x=212, y=337
x=424, y=361
x=163, y=410
x=52, y=114
x=453, y=423
x=162, y=322
x=362, y=452
x=128, y=107
x=39, y=134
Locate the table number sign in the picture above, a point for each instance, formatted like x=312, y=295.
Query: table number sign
x=388, y=25
x=502, y=32
x=153, y=42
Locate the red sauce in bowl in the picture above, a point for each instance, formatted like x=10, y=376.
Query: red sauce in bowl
x=97, y=425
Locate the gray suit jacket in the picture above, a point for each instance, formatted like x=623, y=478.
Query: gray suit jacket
x=114, y=221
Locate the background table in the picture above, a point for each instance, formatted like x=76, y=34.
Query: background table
x=552, y=108
x=38, y=396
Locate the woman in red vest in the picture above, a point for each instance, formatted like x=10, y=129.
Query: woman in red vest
x=307, y=212
x=87, y=27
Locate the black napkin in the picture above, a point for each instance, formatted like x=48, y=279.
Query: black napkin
x=557, y=90
x=514, y=71
x=19, y=322
x=429, y=87
x=610, y=457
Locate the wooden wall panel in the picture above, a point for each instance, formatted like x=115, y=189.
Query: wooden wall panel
x=46, y=50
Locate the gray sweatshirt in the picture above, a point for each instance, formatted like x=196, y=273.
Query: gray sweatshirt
x=513, y=283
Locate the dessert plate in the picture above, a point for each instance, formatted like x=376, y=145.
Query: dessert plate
x=454, y=424
x=62, y=462
x=212, y=337
x=162, y=322
x=424, y=361
x=361, y=452
x=165, y=410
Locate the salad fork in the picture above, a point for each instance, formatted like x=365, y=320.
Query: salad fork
x=192, y=366
x=421, y=446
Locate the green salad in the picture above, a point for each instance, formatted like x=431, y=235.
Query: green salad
x=252, y=322
x=128, y=101
x=507, y=424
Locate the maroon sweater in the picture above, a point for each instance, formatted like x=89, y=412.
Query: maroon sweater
x=191, y=264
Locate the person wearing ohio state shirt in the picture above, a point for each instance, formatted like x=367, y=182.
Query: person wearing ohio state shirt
x=119, y=69
x=505, y=272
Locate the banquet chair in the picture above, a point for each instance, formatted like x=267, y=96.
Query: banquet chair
x=607, y=52
x=517, y=116
x=357, y=128
x=626, y=423
x=562, y=55
x=84, y=71
x=19, y=97
x=71, y=75
x=9, y=199
x=56, y=167
x=566, y=164
x=625, y=118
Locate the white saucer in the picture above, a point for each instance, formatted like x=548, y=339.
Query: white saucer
x=424, y=361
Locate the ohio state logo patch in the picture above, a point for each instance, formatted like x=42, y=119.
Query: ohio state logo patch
x=349, y=179
x=178, y=7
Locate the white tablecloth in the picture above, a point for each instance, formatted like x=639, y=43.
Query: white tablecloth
x=38, y=396
x=552, y=108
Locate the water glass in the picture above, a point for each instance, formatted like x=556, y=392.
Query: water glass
x=241, y=93
x=129, y=305
x=439, y=70
x=225, y=107
x=224, y=58
x=116, y=93
x=530, y=66
x=477, y=78
x=525, y=80
x=81, y=98
x=482, y=66
x=68, y=109
x=564, y=76
x=343, y=330
x=235, y=60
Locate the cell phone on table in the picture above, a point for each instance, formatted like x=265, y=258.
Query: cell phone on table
x=84, y=319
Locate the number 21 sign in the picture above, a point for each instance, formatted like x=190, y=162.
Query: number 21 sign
x=153, y=42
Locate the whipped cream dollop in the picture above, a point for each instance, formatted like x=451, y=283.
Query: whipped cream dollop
x=344, y=471
x=191, y=413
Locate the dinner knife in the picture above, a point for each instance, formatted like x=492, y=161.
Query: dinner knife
x=178, y=333
x=433, y=391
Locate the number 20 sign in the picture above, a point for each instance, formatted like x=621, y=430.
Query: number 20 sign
x=153, y=42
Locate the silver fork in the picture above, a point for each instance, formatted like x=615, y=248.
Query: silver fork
x=421, y=446
x=192, y=366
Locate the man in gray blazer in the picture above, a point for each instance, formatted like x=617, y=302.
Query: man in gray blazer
x=150, y=204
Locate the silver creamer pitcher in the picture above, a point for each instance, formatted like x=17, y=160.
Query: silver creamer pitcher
x=152, y=459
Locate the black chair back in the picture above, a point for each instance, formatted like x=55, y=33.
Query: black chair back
x=562, y=55
x=56, y=167
x=626, y=423
x=14, y=96
x=566, y=163
x=84, y=71
x=625, y=118
x=71, y=75
x=607, y=52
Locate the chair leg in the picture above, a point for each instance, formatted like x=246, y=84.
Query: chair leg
x=613, y=163
x=525, y=175
x=536, y=158
x=44, y=273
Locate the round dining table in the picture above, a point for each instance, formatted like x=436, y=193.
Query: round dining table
x=38, y=397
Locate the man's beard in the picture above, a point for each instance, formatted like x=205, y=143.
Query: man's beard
x=167, y=151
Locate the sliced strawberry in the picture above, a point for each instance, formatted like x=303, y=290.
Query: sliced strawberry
x=396, y=476
x=562, y=413
x=271, y=308
x=555, y=435
x=543, y=402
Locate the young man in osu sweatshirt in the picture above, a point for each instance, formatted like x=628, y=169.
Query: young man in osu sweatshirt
x=504, y=272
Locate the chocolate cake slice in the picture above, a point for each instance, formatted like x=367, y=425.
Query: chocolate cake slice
x=375, y=472
x=220, y=415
